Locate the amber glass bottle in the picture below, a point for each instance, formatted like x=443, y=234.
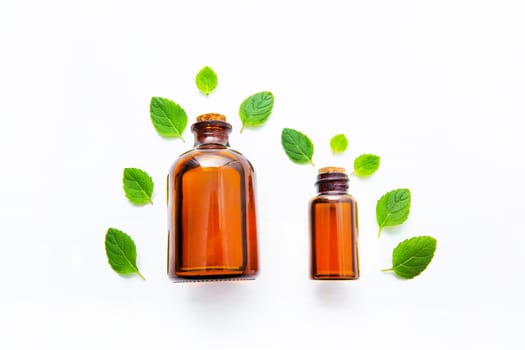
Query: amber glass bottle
x=212, y=231
x=333, y=228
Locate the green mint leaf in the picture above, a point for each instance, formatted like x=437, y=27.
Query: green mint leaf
x=412, y=256
x=255, y=109
x=168, y=118
x=121, y=252
x=297, y=146
x=393, y=208
x=339, y=143
x=366, y=164
x=138, y=186
x=206, y=80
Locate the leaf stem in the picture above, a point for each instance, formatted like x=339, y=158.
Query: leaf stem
x=388, y=270
x=140, y=275
x=379, y=233
x=242, y=128
x=182, y=138
x=312, y=162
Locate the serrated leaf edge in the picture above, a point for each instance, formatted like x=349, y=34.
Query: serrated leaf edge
x=334, y=138
x=393, y=268
x=111, y=234
x=242, y=109
x=358, y=172
x=382, y=224
x=295, y=146
x=209, y=88
x=178, y=133
x=126, y=188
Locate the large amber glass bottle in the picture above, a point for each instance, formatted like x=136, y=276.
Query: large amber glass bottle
x=212, y=231
x=333, y=228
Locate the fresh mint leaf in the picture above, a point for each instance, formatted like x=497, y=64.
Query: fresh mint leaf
x=393, y=208
x=298, y=146
x=255, y=109
x=206, y=80
x=138, y=186
x=121, y=252
x=412, y=256
x=168, y=118
x=366, y=164
x=339, y=143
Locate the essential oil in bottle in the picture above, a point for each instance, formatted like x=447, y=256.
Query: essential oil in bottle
x=212, y=231
x=333, y=228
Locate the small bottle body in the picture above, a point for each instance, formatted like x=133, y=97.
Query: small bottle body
x=212, y=230
x=334, y=232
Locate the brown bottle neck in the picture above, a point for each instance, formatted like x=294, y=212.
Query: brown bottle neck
x=332, y=183
x=211, y=133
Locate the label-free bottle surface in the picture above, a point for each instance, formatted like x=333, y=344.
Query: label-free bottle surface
x=212, y=232
x=333, y=228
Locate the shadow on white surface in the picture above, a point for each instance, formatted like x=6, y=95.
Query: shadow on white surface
x=219, y=293
x=335, y=293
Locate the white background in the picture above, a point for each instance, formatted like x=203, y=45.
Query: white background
x=436, y=88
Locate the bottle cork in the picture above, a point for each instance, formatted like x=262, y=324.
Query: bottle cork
x=211, y=116
x=332, y=169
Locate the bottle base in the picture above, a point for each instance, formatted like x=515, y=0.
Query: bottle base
x=211, y=276
x=211, y=280
x=334, y=277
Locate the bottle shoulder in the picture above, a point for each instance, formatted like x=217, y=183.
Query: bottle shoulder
x=333, y=198
x=244, y=157
x=209, y=157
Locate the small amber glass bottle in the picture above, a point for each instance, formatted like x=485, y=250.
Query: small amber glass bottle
x=212, y=231
x=333, y=228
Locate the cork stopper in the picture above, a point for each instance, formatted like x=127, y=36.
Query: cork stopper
x=211, y=116
x=332, y=169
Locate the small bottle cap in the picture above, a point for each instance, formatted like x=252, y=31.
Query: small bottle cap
x=211, y=116
x=332, y=169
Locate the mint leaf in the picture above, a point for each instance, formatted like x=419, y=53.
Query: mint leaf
x=339, y=143
x=121, y=252
x=366, y=164
x=255, y=109
x=138, y=186
x=206, y=80
x=412, y=256
x=393, y=208
x=168, y=118
x=297, y=146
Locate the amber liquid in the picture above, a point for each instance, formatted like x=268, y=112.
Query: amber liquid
x=334, y=234
x=212, y=229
